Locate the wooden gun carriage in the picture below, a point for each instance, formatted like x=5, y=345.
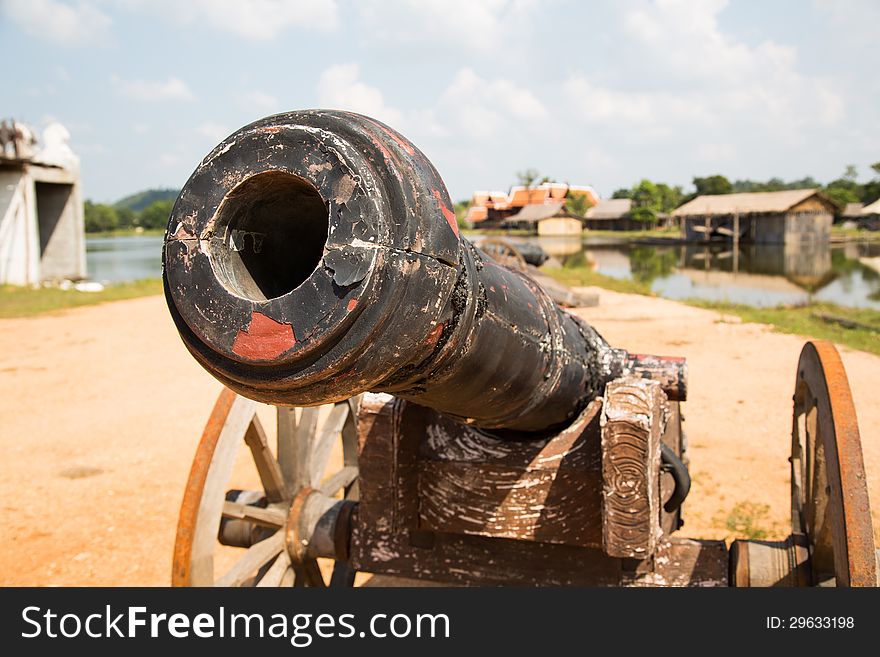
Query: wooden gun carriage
x=503, y=441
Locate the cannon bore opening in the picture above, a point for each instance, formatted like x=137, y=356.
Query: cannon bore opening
x=269, y=236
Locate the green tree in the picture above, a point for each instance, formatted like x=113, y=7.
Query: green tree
x=126, y=216
x=99, y=217
x=845, y=189
x=871, y=189
x=623, y=192
x=670, y=197
x=461, y=210
x=530, y=178
x=578, y=204
x=155, y=215
x=716, y=184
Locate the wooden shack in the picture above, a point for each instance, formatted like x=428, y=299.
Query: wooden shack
x=758, y=217
x=615, y=214
x=545, y=219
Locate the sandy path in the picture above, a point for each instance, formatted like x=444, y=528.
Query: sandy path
x=102, y=409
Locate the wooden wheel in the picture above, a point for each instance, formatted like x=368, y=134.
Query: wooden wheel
x=503, y=252
x=829, y=495
x=298, y=512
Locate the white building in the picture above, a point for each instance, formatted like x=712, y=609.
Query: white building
x=42, y=234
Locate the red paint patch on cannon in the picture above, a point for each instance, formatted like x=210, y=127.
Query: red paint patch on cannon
x=435, y=334
x=403, y=143
x=352, y=305
x=263, y=339
x=449, y=214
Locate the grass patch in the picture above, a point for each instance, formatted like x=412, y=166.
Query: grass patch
x=129, y=232
x=672, y=231
x=497, y=232
x=804, y=320
x=839, y=233
x=583, y=276
x=27, y=302
x=748, y=520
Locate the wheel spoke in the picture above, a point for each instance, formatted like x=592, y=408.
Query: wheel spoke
x=308, y=573
x=339, y=480
x=267, y=466
x=275, y=575
x=325, y=442
x=287, y=426
x=296, y=448
x=257, y=556
x=271, y=517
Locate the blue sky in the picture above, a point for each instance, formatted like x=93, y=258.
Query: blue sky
x=600, y=92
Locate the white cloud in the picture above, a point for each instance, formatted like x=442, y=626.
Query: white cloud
x=482, y=107
x=705, y=80
x=63, y=23
x=480, y=25
x=152, y=90
x=260, y=20
x=339, y=87
x=259, y=103
x=213, y=131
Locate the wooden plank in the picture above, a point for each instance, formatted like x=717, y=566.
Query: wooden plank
x=389, y=434
x=633, y=417
x=673, y=438
x=547, y=490
x=267, y=466
x=484, y=561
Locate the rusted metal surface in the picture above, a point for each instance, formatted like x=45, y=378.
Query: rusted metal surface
x=829, y=493
x=314, y=255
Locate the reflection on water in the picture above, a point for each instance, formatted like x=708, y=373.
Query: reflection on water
x=755, y=274
x=118, y=259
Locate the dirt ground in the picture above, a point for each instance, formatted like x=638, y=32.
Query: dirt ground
x=102, y=409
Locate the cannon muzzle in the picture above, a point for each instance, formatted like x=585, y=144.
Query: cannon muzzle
x=315, y=255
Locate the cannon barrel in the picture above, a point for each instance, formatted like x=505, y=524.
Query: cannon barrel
x=315, y=255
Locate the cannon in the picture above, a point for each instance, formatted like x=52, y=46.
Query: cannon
x=437, y=415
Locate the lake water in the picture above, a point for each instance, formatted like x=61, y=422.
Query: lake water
x=757, y=275
x=119, y=259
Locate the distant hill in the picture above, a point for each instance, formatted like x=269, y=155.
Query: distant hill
x=141, y=200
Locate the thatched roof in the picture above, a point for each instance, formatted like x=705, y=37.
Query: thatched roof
x=748, y=203
x=535, y=212
x=872, y=208
x=610, y=208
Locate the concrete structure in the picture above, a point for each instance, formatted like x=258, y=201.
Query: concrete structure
x=42, y=235
x=759, y=217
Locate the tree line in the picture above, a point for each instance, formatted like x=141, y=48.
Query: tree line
x=652, y=198
x=100, y=217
